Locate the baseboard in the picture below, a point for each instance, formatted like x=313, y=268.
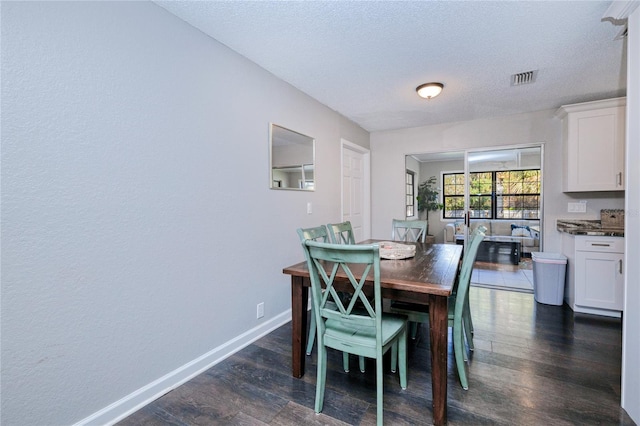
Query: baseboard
x=143, y=396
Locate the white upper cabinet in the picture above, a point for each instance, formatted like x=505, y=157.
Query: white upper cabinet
x=594, y=140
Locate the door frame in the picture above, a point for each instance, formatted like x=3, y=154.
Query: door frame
x=467, y=203
x=464, y=152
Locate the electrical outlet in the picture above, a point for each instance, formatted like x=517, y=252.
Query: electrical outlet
x=260, y=310
x=580, y=207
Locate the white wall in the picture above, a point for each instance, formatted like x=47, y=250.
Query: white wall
x=388, y=150
x=127, y=253
x=631, y=318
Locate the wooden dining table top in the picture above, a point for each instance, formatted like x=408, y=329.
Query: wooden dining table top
x=432, y=270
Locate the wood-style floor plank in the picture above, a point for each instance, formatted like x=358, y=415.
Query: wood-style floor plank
x=533, y=364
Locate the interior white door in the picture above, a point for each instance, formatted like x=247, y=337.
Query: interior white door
x=354, y=179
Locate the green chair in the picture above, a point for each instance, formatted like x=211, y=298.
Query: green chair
x=341, y=233
x=368, y=332
x=320, y=234
x=409, y=230
x=458, y=303
x=316, y=234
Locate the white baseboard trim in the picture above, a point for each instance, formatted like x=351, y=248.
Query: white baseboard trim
x=146, y=394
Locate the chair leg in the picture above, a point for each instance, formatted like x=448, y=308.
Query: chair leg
x=467, y=309
x=402, y=354
x=466, y=319
x=414, y=330
x=312, y=332
x=379, y=389
x=458, y=348
x=321, y=378
x=465, y=354
x=345, y=361
x=394, y=356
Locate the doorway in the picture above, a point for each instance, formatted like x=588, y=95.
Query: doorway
x=500, y=188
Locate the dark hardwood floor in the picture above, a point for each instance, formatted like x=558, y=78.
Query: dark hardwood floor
x=533, y=365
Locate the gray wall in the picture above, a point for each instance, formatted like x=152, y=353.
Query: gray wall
x=129, y=259
x=388, y=150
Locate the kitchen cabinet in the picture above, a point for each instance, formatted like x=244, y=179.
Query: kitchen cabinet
x=593, y=145
x=595, y=282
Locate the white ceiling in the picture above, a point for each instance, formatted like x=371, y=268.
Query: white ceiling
x=364, y=59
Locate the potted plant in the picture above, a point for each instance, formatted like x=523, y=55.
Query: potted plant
x=428, y=197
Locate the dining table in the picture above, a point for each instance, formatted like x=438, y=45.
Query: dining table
x=427, y=278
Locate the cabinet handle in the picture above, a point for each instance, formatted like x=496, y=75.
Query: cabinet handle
x=620, y=179
x=600, y=245
x=620, y=266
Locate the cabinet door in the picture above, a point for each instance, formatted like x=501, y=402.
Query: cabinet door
x=595, y=150
x=599, y=280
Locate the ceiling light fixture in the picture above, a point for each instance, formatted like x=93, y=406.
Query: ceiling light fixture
x=429, y=90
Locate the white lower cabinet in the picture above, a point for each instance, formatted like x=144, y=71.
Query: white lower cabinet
x=597, y=275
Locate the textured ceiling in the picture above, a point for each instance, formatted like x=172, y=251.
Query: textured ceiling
x=365, y=59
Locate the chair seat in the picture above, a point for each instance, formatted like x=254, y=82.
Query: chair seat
x=341, y=334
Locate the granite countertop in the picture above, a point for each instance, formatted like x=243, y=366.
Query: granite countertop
x=587, y=227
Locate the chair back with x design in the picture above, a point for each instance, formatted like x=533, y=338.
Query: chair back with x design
x=357, y=324
x=341, y=233
x=409, y=230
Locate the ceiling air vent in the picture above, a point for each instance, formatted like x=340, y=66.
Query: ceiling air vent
x=524, y=78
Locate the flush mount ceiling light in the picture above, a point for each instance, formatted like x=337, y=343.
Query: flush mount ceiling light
x=429, y=90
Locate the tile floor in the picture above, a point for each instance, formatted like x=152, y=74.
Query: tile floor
x=507, y=277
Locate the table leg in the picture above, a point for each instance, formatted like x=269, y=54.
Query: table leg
x=438, y=332
x=299, y=297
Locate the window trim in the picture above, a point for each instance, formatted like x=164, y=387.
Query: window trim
x=410, y=198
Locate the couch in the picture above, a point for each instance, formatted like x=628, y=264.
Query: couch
x=525, y=231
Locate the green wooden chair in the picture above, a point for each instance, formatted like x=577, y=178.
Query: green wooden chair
x=320, y=234
x=409, y=230
x=341, y=233
x=368, y=332
x=459, y=310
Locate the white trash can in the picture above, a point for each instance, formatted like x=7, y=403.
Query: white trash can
x=548, y=277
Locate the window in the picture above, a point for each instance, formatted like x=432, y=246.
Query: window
x=410, y=192
x=518, y=194
x=513, y=194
